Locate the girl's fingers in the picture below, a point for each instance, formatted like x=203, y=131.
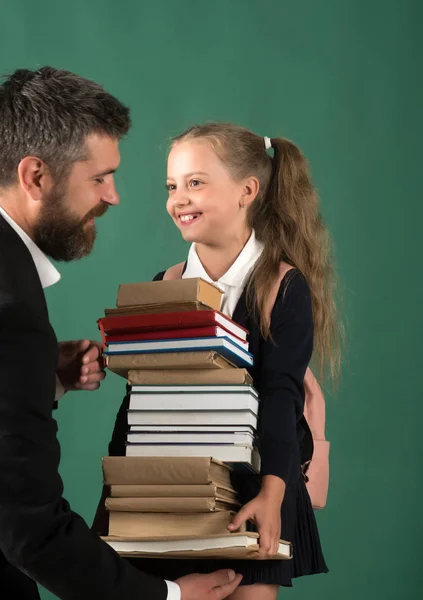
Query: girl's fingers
x=265, y=544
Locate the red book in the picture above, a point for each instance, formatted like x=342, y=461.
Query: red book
x=172, y=334
x=127, y=324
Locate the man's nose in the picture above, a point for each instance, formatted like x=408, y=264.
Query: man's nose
x=111, y=196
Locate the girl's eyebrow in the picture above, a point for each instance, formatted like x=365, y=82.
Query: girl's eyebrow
x=190, y=174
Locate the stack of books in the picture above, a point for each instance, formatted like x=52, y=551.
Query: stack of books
x=192, y=419
x=186, y=365
x=175, y=507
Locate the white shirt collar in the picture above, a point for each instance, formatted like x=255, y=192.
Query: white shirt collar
x=234, y=280
x=239, y=271
x=47, y=272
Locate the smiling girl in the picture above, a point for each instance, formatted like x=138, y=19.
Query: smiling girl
x=246, y=203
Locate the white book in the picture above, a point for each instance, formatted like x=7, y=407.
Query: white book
x=227, y=323
x=191, y=428
x=223, y=333
x=196, y=402
x=193, y=389
x=192, y=417
x=245, y=439
x=235, y=545
x=229, y=453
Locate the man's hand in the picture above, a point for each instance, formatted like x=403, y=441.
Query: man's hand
x=214, y=586
x=81, y=365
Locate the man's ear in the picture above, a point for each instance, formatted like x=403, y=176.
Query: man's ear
x=34, y=177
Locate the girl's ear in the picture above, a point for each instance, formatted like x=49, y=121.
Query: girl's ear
x=250, y=190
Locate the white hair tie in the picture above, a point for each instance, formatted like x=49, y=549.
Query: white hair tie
x=267, y=142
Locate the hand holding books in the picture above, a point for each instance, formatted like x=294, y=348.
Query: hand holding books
x=213, y=586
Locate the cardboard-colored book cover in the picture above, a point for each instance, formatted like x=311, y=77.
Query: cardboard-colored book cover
x=203, y=360
x=189, y=377
x=167, y=505
x=244, y=457
x=148, y=525
x=208, y=490
x=164, y=307
x=151, y=470
x=239, y=545
x=177, y=291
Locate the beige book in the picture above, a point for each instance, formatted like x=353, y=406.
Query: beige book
x=203, y=359
x=167, y=505
x=189, y=377
x=148, y=525
x=148, y=309
x=151, y=470
x=208, y=490
x=177, y=291
x=228, y=453
x=240, y=546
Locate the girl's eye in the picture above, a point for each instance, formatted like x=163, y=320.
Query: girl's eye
x=195, y=182
x=170, y=187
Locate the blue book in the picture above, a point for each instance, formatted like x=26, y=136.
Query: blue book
x=223, y=345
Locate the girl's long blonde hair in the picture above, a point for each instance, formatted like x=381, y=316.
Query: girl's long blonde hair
x=286, y=219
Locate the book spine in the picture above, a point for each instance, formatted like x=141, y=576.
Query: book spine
x=166, y=491
x=157, y=471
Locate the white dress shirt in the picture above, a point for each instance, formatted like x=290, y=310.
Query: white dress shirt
x=49, y=275
x=232, y=283
x=47, y=272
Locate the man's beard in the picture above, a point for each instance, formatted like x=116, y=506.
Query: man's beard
x=61, y=235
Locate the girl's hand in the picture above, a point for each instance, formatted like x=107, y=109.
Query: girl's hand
x=265, y=511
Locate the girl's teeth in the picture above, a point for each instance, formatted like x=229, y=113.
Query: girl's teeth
x=186, y=218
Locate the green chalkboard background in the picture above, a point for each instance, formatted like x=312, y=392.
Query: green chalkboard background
x=342, y=78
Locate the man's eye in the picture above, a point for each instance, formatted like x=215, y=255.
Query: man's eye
x=100, y=180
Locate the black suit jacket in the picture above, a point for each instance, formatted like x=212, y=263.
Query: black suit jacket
x=39, y=533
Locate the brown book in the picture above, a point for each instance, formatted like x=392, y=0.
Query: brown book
x=189, y=377
x=241, y=546
x=159, y=470
x=164, y=307
x=208, y=490
x=203, y=360
x=168, y=505
x=148, y=525
x=176, y=291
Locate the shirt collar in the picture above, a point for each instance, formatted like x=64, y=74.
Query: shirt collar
x=237, y=273
x=47, y=272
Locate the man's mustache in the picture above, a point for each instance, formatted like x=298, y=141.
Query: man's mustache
x=98, y=211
